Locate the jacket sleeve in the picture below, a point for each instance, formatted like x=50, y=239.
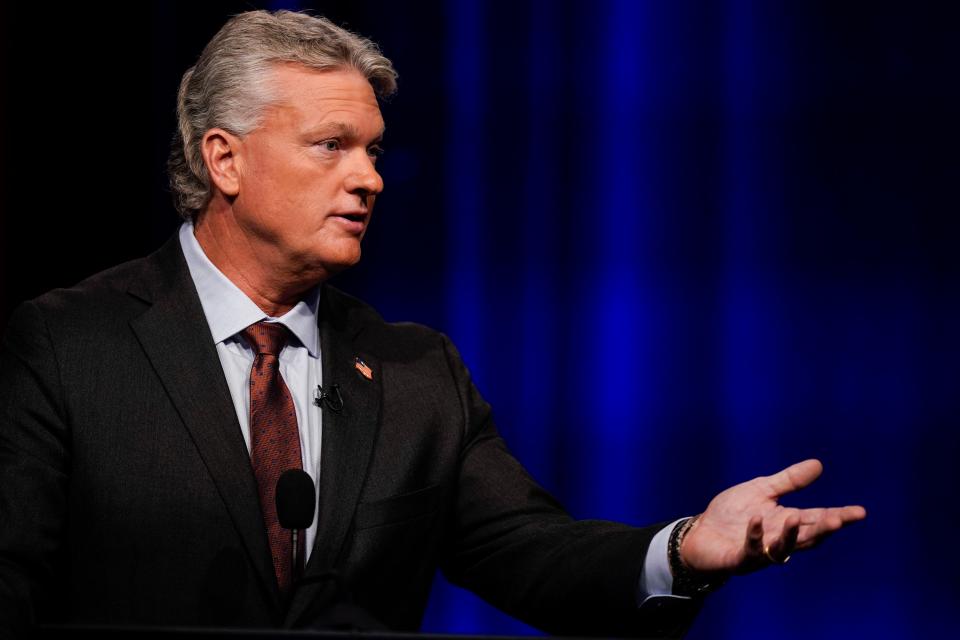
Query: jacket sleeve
x=34, y=464
x=515, y=546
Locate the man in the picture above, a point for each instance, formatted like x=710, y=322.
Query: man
x=147, y=413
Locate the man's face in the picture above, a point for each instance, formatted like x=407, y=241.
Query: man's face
x=307, y=177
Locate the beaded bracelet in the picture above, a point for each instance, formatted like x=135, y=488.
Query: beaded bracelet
x=687, y=582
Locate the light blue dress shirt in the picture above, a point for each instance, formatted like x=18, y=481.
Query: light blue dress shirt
x=229, y=311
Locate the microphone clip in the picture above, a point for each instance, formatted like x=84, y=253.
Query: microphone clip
x=330, y=397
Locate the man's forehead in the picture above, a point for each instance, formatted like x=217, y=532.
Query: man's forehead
x=296, y=81
x=332, y=99
x=346, y=129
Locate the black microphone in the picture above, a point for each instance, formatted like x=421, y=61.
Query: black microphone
x=330, y=396
x=296, y=502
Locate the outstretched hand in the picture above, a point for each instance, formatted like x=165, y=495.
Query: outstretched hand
x=744, y=529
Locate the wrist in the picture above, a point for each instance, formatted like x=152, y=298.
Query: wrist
x=687, y=581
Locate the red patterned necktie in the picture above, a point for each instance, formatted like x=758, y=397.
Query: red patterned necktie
x=274, y=439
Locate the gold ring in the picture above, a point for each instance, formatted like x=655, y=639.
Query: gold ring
x=766, y=552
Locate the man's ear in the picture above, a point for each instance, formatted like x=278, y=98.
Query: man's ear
x=220, y=149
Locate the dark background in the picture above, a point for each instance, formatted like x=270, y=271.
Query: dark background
x=679, y=244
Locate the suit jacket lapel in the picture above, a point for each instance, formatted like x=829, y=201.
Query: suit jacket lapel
x=348, y=441
x=176, y=338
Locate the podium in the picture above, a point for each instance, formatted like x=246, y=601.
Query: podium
x=74, y=632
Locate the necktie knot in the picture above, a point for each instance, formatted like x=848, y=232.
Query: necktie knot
x=267, y=338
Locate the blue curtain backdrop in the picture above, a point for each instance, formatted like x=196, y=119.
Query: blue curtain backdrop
x=679, y=244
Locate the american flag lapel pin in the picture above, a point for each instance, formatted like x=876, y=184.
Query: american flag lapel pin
x=363, y=368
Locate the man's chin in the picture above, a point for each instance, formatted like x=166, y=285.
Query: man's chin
x=340, y=263
x=327, y=256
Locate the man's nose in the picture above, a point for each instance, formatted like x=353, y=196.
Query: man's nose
x=363, y=179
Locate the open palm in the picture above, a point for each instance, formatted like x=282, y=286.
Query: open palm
x=744, y=528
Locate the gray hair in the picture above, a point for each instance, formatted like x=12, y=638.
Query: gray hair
x=229, y=86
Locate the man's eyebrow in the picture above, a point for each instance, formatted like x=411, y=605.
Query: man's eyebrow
x=343, y=130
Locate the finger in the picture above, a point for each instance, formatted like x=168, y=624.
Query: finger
x=818, y=524
x=813, y=536
x=753, y=546
x=781, y=548
x=846, y=515
x=811, y=516
x=853, y=513
x=796, y=476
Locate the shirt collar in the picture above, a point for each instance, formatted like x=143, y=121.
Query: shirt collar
x=228, y=309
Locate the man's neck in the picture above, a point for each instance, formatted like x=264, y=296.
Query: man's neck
x=249, y=269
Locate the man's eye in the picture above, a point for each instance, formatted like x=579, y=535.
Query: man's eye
x=331, y=145
x=375, y=151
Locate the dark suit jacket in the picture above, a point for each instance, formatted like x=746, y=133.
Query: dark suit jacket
x=127, y=496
